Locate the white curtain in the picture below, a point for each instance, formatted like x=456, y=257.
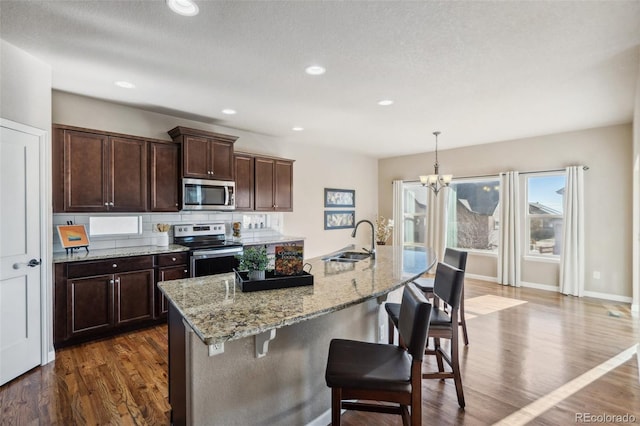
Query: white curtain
x=436, y=232
x=572, y=258
x=398, y=214
x=509, y=247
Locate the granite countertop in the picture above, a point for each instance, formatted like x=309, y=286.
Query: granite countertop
x=81, y=254
x=218, y=311
x=267, y=239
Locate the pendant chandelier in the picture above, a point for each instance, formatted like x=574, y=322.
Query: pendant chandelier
x=436, y=181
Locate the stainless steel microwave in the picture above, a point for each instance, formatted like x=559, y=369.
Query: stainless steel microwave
x=202, y=194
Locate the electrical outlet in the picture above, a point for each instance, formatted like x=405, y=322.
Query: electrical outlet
x=596, y=275
x=216, y=349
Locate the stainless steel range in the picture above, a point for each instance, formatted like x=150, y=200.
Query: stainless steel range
x=210, y=252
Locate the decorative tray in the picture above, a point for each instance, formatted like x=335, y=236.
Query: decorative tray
x=272, y=281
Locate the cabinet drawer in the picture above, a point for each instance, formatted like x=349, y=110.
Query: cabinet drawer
x=112, y=266
x=171, y=259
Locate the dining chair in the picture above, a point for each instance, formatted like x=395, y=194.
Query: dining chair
x=457, y=259
x=380, y=372
x=447, y=291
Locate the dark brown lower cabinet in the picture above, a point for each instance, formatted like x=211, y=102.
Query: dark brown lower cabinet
x=99, y=304
x=133, y=296
x=93, y=299
x=167, y=274
x=89, y=305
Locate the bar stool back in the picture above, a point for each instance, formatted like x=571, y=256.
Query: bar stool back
x=380, y=372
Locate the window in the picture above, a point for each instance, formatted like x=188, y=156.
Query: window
x=544, y=214
x=415, y=214
x=473, y=214
x=415, y=226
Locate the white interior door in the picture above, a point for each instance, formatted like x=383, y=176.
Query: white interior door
x=20, y=303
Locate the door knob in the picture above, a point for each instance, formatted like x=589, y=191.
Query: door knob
x=32, y=264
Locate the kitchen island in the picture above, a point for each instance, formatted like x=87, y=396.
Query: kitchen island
x=259, y=357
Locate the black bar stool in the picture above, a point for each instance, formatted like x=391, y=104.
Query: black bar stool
x=447, y=291
x=381, y=372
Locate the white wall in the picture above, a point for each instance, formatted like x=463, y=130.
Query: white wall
x=608, y=195
x=25, y=97
x=636, y=198
x=314, y=169
x=25, y=88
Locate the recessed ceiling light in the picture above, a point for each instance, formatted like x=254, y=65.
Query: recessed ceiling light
x=125, y=84
x=385, y=102
x=297, y=129
x=183, y=7
x=229, y=111
x=315, y=70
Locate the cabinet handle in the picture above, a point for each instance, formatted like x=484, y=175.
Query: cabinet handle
x=111, y=282
x=118, y=280
x=173, y=259
x=106, y=204
x=186, y=270
x=111, y=203
x=115, y=265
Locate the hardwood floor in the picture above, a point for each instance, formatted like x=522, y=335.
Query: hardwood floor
x=541, y=355
x=121, y=380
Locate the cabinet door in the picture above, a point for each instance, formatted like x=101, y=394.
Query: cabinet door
x=244, y=181
x=85, y=172
x=196, y=157
x=221, y=160
x=128, y=167
x=134, y=296
x=167, y=274
x=283, y=184
x=264, y=190
x=89, y=305
x=165, y=177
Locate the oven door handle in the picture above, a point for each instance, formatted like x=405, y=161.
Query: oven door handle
x=216, y=253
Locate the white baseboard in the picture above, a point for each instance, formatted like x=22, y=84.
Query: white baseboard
x=545, y=287
x=323, y=419
x=606, y=296
x=481, y=277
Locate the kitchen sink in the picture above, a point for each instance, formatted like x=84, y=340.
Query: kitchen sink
x=346, y=256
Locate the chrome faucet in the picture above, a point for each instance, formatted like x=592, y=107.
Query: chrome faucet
x=371, y=252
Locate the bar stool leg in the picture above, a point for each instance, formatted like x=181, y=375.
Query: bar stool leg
x=336, y=406
x=463, y=321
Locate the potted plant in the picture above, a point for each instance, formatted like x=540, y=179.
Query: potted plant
x=383, y=230
x=255, y=261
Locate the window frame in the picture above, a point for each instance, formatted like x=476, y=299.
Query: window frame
x=406, y=215
x=527, y=253
x=453, y=199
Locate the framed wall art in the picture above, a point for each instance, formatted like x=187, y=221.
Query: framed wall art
x=339, y=197
x=73, y=236
x=339, y=219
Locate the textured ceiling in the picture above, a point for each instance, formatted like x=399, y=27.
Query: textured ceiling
x=478, y=71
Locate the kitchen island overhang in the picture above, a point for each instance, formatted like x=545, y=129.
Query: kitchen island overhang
x=210, y=311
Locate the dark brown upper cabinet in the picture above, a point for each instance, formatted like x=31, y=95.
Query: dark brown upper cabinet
x=98, y=172
x=164, y=182
x=205, y=155
x=244, y=181
x=273, y=184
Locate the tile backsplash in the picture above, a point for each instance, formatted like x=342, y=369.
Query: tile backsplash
x=253, y=225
